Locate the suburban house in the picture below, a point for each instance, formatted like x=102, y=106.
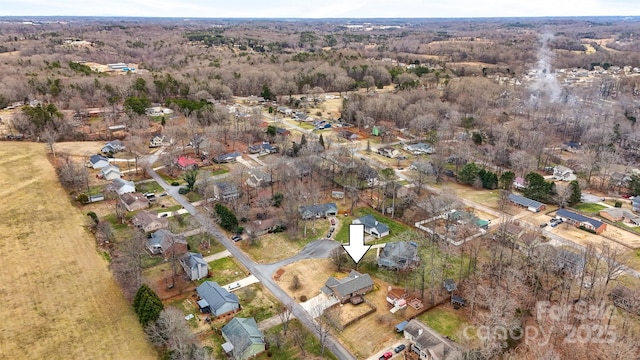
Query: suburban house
x=113, y=147
x=166, y=243
x=156, y=141
x=615, y=214
x=635, y=203
x=149, y=221
x=349, y=135
x=258, y=178
x=214, y=299
x=513, y=231
x=225, y=191
x=227, y=158
x=428, y=344
x=581, y=221
x=121, y=186
x=569, y=262
x=420, y=148
x=462, y=217
x=531, y=205
x=388, y=151
x=318, y=210
x=563, y=173
x=244, y=339
x=98, y=162
x=261, y=227
x=519, y=183
x=398, y=255
x=355, y=284
x=282, y=131
x=372, y=226
x=263, y=148
x=110, y=172
x=134, y=201
x=422, y=167
x=626, y=299
x=194, y=266
x=571, y=146
x=187, y=163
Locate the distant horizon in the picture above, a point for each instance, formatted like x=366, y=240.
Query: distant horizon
x=327, y=9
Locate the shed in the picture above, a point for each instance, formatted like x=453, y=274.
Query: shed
x=400, y=327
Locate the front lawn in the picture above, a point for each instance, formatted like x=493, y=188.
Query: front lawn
x=149, y=186
x=395, y=227
x=445, y=320
x=589, y=208
x=225, y=271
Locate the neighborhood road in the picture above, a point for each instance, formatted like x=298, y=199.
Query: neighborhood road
x=260, y=272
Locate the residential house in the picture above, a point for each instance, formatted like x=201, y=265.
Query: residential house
x=394, y=295
x=581, y=221
x=388, y=151
x=513, y=231
x=571, y=146
x=464, y=217
x=113, y=147
x=98, y=162
x=134, y=201
x=157, y=141
x=318, y=210
x=419, y=148
x=422, y=167
x=398, y=255
x=355, y=284
x=519, y=183
x=372, y=226
x=121, y=186
x=635, y=203
x=259, y=178
x=261, y=227
x=244, y=338
x=349, y=135
x=166, y=243
x=563, y=173
x=428, y=344
x=282, y=131
x=149, y=221
x=569, y=262
x=262, y=148
x=110, y=172
x=620, y=179
x=194, y=266
x=214, y=299
x=227, y=158
x=531, y=205
x=187, y=163
x=619, y=214
x=284, y=110
x=626, y=299
x=225, y=191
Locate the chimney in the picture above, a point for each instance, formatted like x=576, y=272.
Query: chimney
x=419, y=332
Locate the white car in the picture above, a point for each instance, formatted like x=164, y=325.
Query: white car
x=234, y=286
x=189, y=317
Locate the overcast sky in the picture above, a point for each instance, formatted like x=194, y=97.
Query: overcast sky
x=321, y=8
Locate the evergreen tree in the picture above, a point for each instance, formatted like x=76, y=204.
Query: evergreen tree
x=576, y=193
x=228, y=220
x=321, y=141
x=537, y=188
x=506, y=179
x=147, y=305
x=468, y=173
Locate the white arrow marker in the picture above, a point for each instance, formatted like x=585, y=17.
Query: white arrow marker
x=356, y=248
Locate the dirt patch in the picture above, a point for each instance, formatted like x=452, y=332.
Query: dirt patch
x=79, y=148
x=59, y=300
x=312, y=274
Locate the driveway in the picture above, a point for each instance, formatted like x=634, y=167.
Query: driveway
x=317, y=304
x=249, y=280
x=318, y=249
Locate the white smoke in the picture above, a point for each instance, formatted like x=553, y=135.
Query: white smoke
x=545, y=84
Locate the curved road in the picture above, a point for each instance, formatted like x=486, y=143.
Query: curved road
x=263, y=272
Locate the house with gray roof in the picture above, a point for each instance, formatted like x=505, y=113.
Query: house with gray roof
x=428, y=344
x=531, y=205
x=110, y=172
x=121, y=186
x=635, y=204
x=563, y=173
x=225, y=191
x=134, y=201
x=113, y=147
x=420, y=148
x=318, y=210
x=372, y=226
x=355, y=284
x=214, y=299
x=227, y=158
x=398, y=255
x=259, y=178
x=149, y=221
x=569, y=262
x=615, y=214
x=97, y=162
x=166, y=243
x=244, y=338
x=194, y=266
x=581, y=221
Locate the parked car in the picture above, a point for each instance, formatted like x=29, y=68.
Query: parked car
x=543, y=225
x=234, y=286
x=333, y=221
x=387, y=355
x=236, y=238
x=400, y=348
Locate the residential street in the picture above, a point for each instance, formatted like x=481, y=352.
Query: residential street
x=261, y=272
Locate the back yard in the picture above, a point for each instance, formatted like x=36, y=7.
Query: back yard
x=59, y=300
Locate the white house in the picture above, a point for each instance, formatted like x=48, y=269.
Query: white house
x=563, y=173
x=110, y=172
x=156, y=141
x=194, y=266
x=97, y=162
x=120, y=186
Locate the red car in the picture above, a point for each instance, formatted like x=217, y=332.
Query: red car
x=333, y=221
x=387, y=355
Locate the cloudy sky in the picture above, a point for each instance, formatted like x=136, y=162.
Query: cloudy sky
x=320, y=9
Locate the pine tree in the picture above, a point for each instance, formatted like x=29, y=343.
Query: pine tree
x=576, y=193
x=321, y=141
x=147, y=305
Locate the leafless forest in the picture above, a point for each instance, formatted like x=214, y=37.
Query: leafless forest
x=508, y=94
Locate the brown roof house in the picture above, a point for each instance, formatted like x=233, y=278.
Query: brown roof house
x=166, y=243
x=261, y=227
x=355, y=284
x=134, y=201
x=428, y=344
x=619, y=214
x=149, y=221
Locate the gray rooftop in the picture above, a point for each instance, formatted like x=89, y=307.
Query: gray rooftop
x=215, y=296
x=354, y=282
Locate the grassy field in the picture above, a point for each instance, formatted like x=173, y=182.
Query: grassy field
x=445, y=320
x=59, y=300
x=589, y=208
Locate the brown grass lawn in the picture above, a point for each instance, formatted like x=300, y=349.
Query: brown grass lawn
x=271, y=248
x=488, y=198
x=313, y=273
x=58, y=299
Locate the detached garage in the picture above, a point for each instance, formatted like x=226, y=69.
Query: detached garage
x=531, y=205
